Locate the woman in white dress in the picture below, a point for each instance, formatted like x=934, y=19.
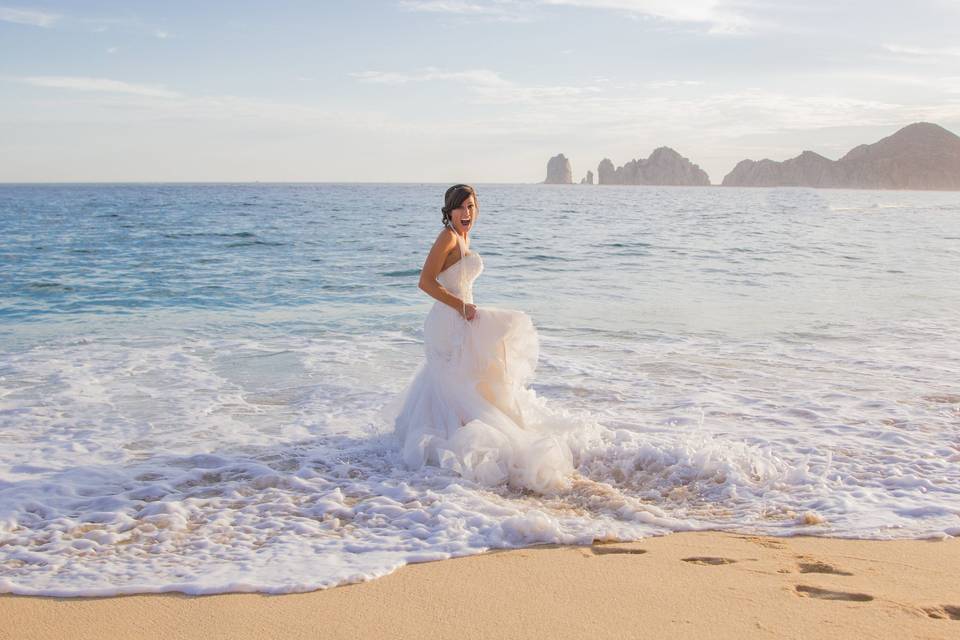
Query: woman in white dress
x=468, y=407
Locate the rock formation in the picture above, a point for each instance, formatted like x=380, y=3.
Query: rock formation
x=808, y=168
x=587, y=179
x=559, y=171
x=605, y=172
x=664, y=167
x=919, y=156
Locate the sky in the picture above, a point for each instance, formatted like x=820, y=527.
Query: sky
x=457, y=90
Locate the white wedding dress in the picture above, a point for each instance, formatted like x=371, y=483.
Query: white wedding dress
x=468, y=407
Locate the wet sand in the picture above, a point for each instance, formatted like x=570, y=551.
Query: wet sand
x=685, y=585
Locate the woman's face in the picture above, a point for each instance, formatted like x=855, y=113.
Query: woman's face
x=464, y=216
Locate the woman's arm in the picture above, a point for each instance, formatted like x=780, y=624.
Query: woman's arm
x=445, y=243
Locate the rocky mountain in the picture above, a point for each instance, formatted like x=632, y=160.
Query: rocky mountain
x=559, y=171
x=587, y=179
x=664, y=167
x=606, y=173
x=919, y=156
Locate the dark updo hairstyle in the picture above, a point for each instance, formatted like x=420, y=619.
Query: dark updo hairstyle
x=454, y=197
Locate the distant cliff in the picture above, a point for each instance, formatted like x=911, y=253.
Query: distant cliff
x=664, y=167
x=919, y=156
x=559, y=171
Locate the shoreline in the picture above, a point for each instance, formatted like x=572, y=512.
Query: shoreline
x=682, y=585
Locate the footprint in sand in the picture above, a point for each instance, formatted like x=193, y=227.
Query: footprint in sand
x=944, y=612
x=602, y=550
x=826, y=594
x=821, y=567
x=709, y=560
x=764, y=542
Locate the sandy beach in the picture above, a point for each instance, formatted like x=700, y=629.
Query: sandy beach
x=685, y=585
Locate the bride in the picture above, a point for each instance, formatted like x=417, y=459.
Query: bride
x=468, y=408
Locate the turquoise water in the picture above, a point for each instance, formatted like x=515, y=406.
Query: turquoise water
x=694, y=258
x=191, y=376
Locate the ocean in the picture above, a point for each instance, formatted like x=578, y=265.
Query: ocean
x=192, y=376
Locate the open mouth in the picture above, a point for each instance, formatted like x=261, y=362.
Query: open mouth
x=465, y=222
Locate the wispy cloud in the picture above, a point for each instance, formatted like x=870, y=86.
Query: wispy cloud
x=501, y=10
x=670, y=84
x=448, y=6
x=80, y=83
x=933, y=83
x=119, y=101
x=28, y=16
x=472, y=76
x=716, y=14
x=652, y=110
x=160, y=33
x=721, y=18
x=488, y=86
x=924, y=52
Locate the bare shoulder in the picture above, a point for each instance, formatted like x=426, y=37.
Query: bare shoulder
x=446, y=239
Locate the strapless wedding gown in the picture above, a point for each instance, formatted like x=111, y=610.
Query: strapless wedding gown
x=468, y=407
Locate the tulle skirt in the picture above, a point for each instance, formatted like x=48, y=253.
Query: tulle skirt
x=468, y=407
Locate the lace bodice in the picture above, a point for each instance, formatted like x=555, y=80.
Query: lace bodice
x=458, y=278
